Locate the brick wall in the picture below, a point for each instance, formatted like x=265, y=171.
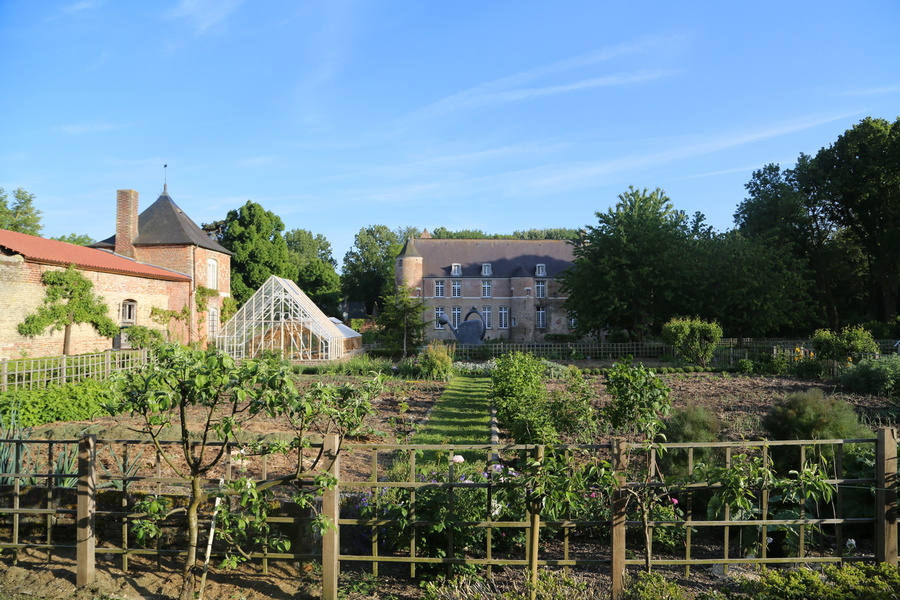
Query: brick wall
x=23, y=292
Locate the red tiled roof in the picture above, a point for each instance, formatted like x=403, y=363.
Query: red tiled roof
x=37, y=249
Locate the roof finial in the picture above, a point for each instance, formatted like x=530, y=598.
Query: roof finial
x=165, y=180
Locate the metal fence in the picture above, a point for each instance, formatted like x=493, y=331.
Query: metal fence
x=32, y=373
x=49, y=504
x=723, y=355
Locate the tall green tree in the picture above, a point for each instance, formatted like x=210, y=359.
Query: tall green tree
x=368, y=272
x=316, y=275
x=861, y=177
x=401, y=326
x=79, y=239
x=627, y=271
x=253, y=234
x=69, y=300
x=21, y=216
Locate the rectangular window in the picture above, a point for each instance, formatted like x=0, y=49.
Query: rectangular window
x=486, y=314
x=572, y=322
x=456, y=288
x=486, y=270
x=503, y=315
x=540, y=319
x=540, y=289
x=456, y=270
x=541, y=271
x=129, y=312
x=212, y=274
x=439, y=288
x=213, y=319
x=438, y=313
x=456, y=316
x=485, y=288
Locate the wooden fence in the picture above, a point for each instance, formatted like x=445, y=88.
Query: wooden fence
x=50, y=505
x=31, y=373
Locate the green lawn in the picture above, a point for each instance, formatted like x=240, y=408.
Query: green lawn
x=462, y=415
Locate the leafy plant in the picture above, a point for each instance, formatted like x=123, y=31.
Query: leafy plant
x=842, y=346
x=688, y=424
x=640, y=400
x=694, y=339
x=436, y=362
x=652, y=586
x=879, y=376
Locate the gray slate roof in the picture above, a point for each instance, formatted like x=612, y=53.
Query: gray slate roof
x=164, y=224
x=508, y=258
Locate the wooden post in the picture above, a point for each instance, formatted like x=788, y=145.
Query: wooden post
x=619, y=516
x=62, y=370
x=886, y=496
x=3, y=375
x=534, y=529
x=85, y=539
x=331, y=546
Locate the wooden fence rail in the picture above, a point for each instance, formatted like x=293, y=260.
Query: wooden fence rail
x=32, y=373
x=43, y=506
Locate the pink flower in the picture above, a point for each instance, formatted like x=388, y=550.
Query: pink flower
x=458, y=459
x=674, y=501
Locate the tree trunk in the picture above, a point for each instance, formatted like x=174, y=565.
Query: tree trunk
x=190, y=561
x=67, y=340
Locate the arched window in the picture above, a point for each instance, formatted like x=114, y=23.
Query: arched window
x=212, y=273
x=128, y=312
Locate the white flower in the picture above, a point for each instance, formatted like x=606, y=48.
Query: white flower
x=458, y=459
x=851, y=544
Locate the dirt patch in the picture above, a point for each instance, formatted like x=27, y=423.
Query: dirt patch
x=740, y=403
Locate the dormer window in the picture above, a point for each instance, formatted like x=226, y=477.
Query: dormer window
x=541, y=271
x=456, y=270
x=486, y=270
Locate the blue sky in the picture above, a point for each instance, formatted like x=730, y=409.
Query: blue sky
x=496, y=115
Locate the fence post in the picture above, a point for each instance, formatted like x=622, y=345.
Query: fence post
x=85, y=539
x=331, y=509
x=619, y=516
x=886, y=496
x=4, y=374
x=62, y=370
x=534, y=528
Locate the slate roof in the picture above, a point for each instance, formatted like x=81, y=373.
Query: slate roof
x=37, y=249
x=164, y=224
x=508, y=258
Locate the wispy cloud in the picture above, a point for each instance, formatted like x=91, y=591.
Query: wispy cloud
x=204, y=13
x=85, y=128
x=511, y=88
x=876, y=91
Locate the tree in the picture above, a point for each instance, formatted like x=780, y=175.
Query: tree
x=79, y=239
x=861, y=177
x=401, y=326
x=69, y=300
x=553, y=233
x=627, y=271
x=22, y=216
x=694, y=339
x=368, y=272
x=260, y=251
x=316, y=275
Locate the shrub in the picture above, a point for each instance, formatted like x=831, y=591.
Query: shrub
x=144, y=337
x=693, y=339
x=554, y=370
x=880, y=377
x=688, y=424
x=842, y=346
x=435, y=362
x=572, y=409
x=652, y=586
x=808, y=368
x=78, y=401
x=640, y=399
x=521, y=399
x=872, y=582
x=551, y=585
x=745, y=366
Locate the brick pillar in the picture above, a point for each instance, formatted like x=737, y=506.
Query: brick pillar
x=126, y=221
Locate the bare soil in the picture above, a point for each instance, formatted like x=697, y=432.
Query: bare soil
x=740, y=403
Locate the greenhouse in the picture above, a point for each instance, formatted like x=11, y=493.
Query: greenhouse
x=279, y=317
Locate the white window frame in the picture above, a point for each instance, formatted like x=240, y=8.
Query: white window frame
x=438, y=288
x=486, y=288
x=438, y=313
x=128, y=312
x=212, y=273
x=540, y=288
x=571, y=321
x=212, y=322
x=541, y=270
x=486, y=315
x=540, y=317
x=456, y=270
x=456, y=315
x=456, y=288
x=486, y=270
x=503, y=317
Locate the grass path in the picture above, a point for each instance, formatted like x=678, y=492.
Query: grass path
x=462, y=415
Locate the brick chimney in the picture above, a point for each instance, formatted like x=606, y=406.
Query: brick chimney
x=126, y=221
